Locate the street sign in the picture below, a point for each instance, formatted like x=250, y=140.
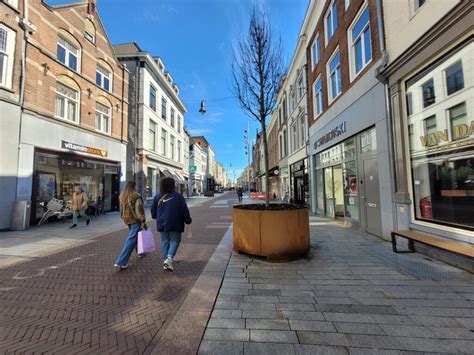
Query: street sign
x=192, y=168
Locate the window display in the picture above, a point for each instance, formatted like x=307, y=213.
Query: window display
x=441, y=141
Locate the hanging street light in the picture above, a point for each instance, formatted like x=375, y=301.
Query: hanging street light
x=202, y=109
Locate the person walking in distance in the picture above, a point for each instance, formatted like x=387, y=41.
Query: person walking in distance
x=79, y=205
x=171, y=213
x=133, y=215
x=240, y=194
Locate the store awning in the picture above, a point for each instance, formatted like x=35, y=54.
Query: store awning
x=172, y=174
x=180, y=176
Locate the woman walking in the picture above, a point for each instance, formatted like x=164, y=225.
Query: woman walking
x=171, y=213
x=79, y=205
x=133, y=214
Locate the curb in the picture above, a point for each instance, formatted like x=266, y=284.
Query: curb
x=185, y=330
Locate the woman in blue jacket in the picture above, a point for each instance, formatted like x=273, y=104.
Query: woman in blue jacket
x=171, y=213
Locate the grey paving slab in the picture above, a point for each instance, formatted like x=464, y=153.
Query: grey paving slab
x=253, y=314
x=226, y=313
x=297, y=315
x=312, y=325
x=301, y=349
x=320, y=338
x=295, y=307
x=359, y=328
x=226, y=323
x=221, y=347
x=268, y=348
x=227, y=334
x=273, y=336
x=270, y=324
x=374, y=341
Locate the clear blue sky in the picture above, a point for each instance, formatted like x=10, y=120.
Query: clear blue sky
x=194, y=38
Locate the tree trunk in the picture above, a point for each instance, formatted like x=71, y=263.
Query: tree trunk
x=265, y=158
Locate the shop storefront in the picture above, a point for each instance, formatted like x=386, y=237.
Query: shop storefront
x=274, y=177
x=299, y=182
x=56, y=174
x=439, y=111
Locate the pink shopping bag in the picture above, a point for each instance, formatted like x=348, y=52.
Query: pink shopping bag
x=146, y=242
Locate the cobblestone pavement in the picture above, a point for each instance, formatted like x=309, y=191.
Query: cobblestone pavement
x=353, y=295
x=74, y=301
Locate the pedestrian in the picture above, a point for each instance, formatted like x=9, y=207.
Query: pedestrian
x=79, y=205
x=240, y=194
x=171, y=213
x=132, y=213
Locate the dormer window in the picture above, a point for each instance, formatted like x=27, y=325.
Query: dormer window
x=89, y=31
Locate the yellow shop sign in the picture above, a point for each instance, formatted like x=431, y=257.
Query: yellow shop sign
x=459, y=131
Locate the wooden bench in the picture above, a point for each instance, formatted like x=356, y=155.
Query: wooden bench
x=452, y=246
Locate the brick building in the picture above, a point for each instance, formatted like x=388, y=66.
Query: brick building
x=74, y=109
x=273, y=159
x=349, y=129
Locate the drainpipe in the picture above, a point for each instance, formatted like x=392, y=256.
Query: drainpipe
x=384, y=81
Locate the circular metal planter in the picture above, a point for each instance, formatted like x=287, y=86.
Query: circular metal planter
x=279, y=234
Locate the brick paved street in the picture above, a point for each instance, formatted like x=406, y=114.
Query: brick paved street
x=354, y=295
x=74, y=301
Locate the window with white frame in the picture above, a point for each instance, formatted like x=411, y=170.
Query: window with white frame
x=360, y=43
x=152, y=98
x=179, y=151
x=172, y=117
x=164, y=141
x=163, y=108
x=330, y=21
x=281, y=146
x=301, y=88
x=67, y=103
x=179, y=124
x=7, y=50
x=294, y=137
x=418, y=4
x=102, y=117
x=318, y=97
x=302, y=130
x=152, y=135
x=315, y=52
x=454, y=78
x=285, y=143
x=293, y=96
x=172, y=143
x=102, y=77
x=68, y=54
x=334, y=75
x=12, y=3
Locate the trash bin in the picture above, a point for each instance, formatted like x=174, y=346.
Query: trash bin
x=20, y=219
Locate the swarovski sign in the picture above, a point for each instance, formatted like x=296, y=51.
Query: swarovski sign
x=334, y=133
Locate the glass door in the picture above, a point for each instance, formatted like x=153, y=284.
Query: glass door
x=338, y=184
x=329, y=193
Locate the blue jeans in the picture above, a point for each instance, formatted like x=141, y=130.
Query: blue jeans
x=78, y=213
x=130, y=244
x=169, y=243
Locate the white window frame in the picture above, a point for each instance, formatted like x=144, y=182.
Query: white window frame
x=155, y=134
x=69, y=51
x=329, y=82
x=172, y=146
x=66, y=99
x=417, y=6
x=302, y=129
x=9, y=53
x=104, y=73
x=317, y=97
x=163, y=142
x=315, y=57
x=99, y=115
x=351, y=44
x=172, y=117
x=12, y=3
x=294, y=136
x=326, y=29
x=179, y=152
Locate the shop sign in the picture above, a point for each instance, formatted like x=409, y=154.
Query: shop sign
x=459, y=131
x=84, y=149
x=334, y=133
x=284, y=171
x=192, y=168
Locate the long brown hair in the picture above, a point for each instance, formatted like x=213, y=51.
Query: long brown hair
x=128, y=190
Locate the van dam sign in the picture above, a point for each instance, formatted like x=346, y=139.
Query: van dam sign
x=334, y=133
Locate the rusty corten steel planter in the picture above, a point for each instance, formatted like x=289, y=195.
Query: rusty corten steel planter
x=278, y=235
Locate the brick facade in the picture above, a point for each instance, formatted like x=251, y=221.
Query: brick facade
x=340, y=38
x=44, y=70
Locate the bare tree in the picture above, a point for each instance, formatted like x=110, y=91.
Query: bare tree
x=257, y=72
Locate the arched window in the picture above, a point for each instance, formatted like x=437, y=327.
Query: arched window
x=103, y=115
x=67, y=101
x=103, y=75
x=89, y=30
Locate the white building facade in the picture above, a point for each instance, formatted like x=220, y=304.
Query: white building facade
x=158, y=112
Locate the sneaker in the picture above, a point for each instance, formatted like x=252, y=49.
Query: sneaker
x=88, y=221
x=73, y=226
x=122, y=267
x=141, y=255
x=168, y=264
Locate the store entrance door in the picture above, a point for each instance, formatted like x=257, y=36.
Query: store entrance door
x=373, y=222
x=334, y=191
